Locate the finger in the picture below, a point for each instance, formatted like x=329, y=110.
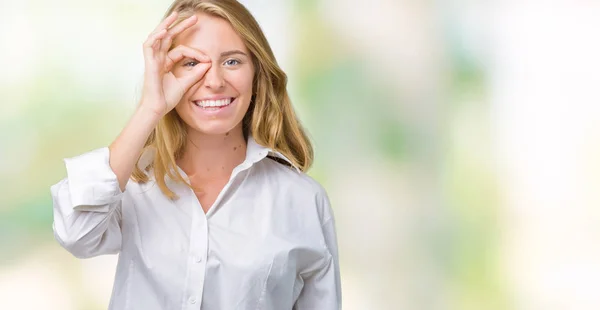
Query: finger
x=195, y=75
x=166, y=22
x=184, y=24
x=177, y=29
x=152, y=41
x=181, y=51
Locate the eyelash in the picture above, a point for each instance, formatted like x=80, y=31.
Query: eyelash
x=238, y=62
x=187, y=64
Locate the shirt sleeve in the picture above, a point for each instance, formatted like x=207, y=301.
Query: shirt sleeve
x=87, y=206
x=322, y=288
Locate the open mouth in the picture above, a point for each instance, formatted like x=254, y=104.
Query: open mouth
x=213, y=105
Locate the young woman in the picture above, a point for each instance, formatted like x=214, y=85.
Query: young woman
x=203, y=194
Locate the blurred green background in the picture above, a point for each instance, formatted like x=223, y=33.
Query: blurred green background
x=458, y=141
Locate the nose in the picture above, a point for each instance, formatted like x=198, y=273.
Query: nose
x=214, y=78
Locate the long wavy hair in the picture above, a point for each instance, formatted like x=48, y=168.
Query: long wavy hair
x=270, y=118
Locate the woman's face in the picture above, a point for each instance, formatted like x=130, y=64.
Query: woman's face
x=218, y=102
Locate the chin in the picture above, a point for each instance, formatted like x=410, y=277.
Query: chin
x=214, y=127
x=211, y=131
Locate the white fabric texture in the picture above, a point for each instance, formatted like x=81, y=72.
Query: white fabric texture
x=268, y=242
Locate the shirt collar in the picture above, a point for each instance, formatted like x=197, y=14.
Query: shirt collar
x=254, y=153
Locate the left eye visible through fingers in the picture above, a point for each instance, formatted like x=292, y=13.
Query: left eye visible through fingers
x=227, y=63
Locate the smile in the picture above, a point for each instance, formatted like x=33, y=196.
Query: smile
x=215, y=104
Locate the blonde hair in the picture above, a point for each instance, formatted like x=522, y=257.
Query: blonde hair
x=270, y=118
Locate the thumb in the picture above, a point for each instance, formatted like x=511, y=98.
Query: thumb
x=195, y=75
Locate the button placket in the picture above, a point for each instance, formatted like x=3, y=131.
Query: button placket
x=197, y=246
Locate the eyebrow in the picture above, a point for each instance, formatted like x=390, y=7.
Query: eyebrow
x=233, y=52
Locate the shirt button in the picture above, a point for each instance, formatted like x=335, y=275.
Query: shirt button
x=192, y=300
x=198, y=259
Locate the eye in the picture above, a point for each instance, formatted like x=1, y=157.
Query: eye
x=232, y=62
x=190, y=63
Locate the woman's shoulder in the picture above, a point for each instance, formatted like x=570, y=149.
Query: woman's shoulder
x=286, y=174
x=299, y=187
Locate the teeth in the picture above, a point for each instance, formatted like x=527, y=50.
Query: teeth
x=213, y=103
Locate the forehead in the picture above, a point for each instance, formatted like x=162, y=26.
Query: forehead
x=211, y=33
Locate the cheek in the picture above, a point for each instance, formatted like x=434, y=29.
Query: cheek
x=241, y=80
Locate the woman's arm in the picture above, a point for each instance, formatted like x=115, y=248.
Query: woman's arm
x=322, y=287
x=126, y=149
x=87, y=204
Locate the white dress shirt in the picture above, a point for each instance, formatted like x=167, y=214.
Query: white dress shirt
x=268, y=241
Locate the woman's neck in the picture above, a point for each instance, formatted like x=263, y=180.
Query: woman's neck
x=208, y=157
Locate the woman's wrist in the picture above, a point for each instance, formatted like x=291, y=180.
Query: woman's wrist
x=147, y=113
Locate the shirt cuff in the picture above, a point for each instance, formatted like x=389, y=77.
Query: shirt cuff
x=93, y=185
